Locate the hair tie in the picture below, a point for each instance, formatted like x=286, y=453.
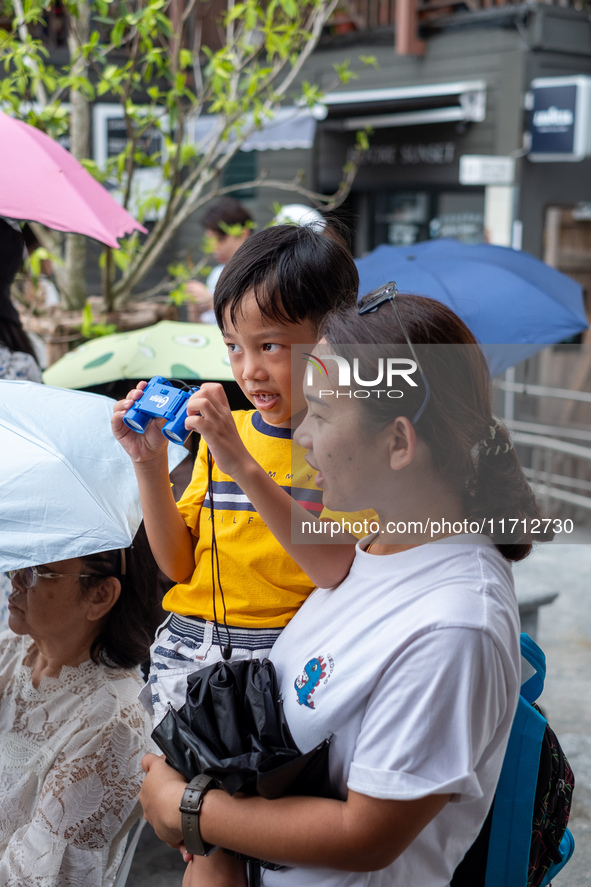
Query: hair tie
x=487, y=446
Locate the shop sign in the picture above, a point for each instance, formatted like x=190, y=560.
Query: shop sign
x=110, y=139
x=560, y=118
x=149, y=142
x=408, y=154
x=482, y=169
x=465, y=226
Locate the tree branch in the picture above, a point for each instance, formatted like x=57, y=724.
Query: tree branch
x=23, y=32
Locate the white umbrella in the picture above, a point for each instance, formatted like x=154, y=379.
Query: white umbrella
x=67, y=488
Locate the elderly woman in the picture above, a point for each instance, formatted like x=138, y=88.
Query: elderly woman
x=72, y=732
x=17, y=355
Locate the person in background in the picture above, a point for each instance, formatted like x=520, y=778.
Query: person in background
x=17, y=356
x=227, y=224
x=300, y=214
x=39, y=292
x=72, y=731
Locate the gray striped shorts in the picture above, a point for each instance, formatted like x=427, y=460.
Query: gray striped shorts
x=185, y=644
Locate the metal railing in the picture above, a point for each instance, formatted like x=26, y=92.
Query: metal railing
x=546, y=483
x=555, y=461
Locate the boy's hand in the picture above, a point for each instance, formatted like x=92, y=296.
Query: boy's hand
x=140, y=447
x=208, y=413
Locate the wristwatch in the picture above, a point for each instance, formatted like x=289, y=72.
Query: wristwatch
x=190, y=808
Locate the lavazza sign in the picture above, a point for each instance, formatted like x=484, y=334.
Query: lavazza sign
x=560, y=122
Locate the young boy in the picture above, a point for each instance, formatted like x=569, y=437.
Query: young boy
x=271, y=295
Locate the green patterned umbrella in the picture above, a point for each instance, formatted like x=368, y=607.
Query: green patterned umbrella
x=170, y=349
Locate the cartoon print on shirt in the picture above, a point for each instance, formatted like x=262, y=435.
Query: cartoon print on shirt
x=314, y=672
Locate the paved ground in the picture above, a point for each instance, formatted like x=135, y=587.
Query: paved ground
x=564, y=632
x=155, y=864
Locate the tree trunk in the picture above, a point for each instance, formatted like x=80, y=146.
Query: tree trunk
x=75, y=254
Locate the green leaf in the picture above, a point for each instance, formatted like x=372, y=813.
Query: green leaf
x=118, y=32
x=236, y=13
x=86, y=325
x=369, y=60
x=92, y=167
x=92, y=330
x=362, y=137
x=186, y=58
x=344, y=72
x=121, y=260
x=178, y=295
x=290, y=8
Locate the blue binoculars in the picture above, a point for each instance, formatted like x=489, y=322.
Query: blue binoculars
x=161, y=400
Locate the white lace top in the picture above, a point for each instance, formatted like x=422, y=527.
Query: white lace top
x=18, y=365
x=70, y=770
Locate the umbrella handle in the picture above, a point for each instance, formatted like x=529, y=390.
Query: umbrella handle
x=254, y=873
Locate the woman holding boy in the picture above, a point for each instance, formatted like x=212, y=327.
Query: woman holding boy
x=420, y=640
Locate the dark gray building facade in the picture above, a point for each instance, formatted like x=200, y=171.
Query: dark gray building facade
x=468, y=96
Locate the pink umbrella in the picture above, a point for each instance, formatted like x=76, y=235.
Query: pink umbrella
x=40, y=181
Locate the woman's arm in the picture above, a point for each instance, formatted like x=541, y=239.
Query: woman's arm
x=359, y=834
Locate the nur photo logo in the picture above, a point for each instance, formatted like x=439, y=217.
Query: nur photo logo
x=387, y=371
x=314, y=363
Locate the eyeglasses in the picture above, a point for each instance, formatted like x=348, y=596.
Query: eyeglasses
x=28, y=575
x=388, y=293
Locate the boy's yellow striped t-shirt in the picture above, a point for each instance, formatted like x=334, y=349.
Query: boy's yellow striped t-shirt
x=263, y=586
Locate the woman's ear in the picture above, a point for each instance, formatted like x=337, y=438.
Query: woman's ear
x=402, y=444
x=102, y=597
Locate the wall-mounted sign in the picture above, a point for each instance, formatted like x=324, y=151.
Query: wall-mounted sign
x=560, y=118
x=110, y=139
x=407, y=154
x=484, y=169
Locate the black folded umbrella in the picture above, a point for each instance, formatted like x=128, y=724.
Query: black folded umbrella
x=232, y=726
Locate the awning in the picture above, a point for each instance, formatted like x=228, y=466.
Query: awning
x=406, y=105
x=291, y=127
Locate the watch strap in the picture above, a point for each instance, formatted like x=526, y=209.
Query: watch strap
x=190, y=808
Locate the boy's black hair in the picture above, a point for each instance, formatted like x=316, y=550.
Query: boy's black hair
x=224, y=213
x=297, y=273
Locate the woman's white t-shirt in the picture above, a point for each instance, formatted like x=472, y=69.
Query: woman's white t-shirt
x=412, y=664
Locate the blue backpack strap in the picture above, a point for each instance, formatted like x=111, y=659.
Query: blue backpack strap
x=532, y=688
x=511, y=828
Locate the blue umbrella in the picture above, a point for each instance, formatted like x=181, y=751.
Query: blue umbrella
x=507, y=298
